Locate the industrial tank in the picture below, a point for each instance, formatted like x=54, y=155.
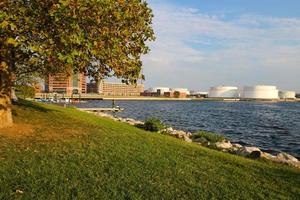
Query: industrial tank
x=260, y=92
x=287, y=94
x=223, y=92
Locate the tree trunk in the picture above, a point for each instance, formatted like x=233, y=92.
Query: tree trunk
x=5, y=102
x=7, y=59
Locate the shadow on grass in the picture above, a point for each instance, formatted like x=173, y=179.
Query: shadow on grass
x=31, y=105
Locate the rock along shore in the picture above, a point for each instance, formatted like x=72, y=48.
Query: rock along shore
x=224, y=146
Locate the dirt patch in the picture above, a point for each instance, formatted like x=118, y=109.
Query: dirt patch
x=17, y=131
x=21, y=131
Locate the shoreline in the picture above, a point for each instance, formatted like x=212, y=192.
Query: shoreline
x=226, y=146
x=144, y=98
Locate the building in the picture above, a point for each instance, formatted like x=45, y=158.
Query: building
x=181, y=90
x=61, y=83
x=223, y=92
x=194, y=94
x=175, y=94
x=92, y=88
x=287, y=94
x=260, y=92
x=159, y=91
x=115, y=89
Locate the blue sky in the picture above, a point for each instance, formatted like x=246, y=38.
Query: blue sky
x=203, y=43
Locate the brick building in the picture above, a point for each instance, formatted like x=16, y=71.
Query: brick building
x=115, y=89
x=61, y=83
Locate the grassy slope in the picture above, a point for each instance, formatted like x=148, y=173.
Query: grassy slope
x=65, y=153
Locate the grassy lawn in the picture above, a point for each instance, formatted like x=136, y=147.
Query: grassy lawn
x=57, y=153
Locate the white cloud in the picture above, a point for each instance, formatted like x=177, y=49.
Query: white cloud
x=197, y=50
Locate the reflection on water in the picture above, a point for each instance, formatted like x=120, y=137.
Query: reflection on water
x=270, y=126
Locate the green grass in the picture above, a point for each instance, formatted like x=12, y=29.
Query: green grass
x=67, y=154
x=209, y=137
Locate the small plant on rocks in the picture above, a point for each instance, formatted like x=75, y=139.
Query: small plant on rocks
x=204, y=136
x=153, y=125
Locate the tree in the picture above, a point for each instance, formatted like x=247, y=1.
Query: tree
x=100, y=38
x=176, y=94
x=25, y=91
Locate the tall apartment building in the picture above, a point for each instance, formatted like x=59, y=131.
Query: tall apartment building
x=115, y=89
x=60, y=83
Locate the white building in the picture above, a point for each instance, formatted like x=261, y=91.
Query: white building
x=287, y=94
x=181, y=90
x=223, y=92
x=260, y=92
x=160, y=90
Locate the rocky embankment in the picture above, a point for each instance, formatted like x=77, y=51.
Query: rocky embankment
x=225, y=145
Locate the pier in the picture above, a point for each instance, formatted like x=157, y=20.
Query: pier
x=102, y=109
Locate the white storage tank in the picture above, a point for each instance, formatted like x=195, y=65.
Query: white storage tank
x=223, y=92
x=287, y=94
x=260, y=92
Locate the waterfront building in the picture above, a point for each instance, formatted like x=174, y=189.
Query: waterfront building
x=160, y=91
x=260, y=92
x=115, y=89
x=181, y=90
x=287, y=94
x=194, y=94
x=61, y=83
x=223, y=92
x=175, y=94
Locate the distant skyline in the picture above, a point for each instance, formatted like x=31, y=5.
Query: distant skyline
x=203, y=43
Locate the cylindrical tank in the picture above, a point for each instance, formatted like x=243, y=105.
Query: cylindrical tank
x=260, y=92
x=287, y=94
x=223, y=92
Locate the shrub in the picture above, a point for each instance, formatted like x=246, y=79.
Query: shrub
x=176, y=94
x=153, y=125
x=208, y=137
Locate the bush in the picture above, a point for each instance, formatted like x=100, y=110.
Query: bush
x=153, y=125
x=208, y=137
x=176, y=94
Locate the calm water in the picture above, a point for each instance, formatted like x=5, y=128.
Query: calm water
x=273, y=127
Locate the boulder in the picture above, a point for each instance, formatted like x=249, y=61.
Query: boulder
x=267, y=156
x=224, y=145
x=178, y=134
x=188, y=139
x=189, y=134
x=249, y=152
x=202, y=141
x=133, y=122
x=255, y=154
x=168, y=130
x=286, y=157
x=235, y=145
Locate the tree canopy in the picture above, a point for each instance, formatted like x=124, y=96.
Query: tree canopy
x=98, y=37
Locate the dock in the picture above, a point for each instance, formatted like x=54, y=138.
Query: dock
x=102, y=109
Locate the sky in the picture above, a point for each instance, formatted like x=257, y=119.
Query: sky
x=204, y=43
